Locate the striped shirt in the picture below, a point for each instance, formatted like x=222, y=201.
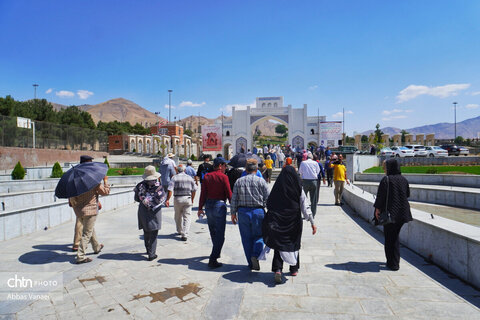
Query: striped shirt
x=182, y=185
x=249, y=191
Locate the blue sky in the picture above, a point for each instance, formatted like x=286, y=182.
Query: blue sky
x=397, y=63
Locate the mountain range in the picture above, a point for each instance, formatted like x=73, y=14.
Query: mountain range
x=122, y=110
x=469, y=128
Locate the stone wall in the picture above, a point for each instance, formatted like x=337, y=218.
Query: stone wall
x=28, y=157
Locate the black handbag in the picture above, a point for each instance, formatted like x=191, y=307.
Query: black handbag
x=385, y=217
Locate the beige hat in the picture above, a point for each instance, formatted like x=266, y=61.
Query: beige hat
x=150, y=173
x=170, y=155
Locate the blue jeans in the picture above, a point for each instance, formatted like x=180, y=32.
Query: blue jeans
x=280, y=164
x=216, y=212
x=250, y=225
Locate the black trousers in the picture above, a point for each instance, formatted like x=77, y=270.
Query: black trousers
x=150, y=239
x=277, y=263
x=392, y=244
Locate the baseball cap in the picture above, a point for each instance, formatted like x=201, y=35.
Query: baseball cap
x=218, y=161
x=85, y=158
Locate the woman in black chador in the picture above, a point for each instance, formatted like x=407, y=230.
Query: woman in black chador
x=282, y=225
x=398, y=206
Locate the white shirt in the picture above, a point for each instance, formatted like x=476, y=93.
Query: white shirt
x=309, y=169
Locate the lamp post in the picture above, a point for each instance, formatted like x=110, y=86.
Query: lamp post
x=169, y=105
x=35, y=91
x=455, y=119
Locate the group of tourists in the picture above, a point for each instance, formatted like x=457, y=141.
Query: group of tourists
x=266, y=219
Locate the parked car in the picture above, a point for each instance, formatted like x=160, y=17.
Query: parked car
x=434, y=151
x=452, y=149
x=386, y=152
x=418, y=150
x=402, y=152
x=463, y=151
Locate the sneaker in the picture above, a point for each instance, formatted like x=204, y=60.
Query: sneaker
x=184, y=238
x=278, y=277
x=214, y=264
x=293, y=273
x=255, y=263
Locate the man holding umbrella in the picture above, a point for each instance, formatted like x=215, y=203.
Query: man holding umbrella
x=82, y=184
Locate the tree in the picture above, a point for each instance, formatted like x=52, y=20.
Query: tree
x=57, y=171
x=364, y=139
x=188, y=132
x=378, y=133
x=18, y=172
x=404, y=133
x=459, y=140
x=281, y=129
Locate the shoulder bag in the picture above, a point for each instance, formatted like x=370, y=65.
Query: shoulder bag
x=385, y=217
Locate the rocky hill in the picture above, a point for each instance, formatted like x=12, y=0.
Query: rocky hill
x=467, y=129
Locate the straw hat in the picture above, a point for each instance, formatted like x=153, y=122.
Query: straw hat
x=170, y=155
x=150, y=173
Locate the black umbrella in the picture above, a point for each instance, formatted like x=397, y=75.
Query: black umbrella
x=240, y=160
x=80, y=179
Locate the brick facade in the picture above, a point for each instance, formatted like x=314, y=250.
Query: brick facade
x=28, y=157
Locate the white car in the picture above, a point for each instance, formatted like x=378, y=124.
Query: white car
x=418, y=150
x=402, y=152
x=386, y=152
x=435, y=151
x=463, y=151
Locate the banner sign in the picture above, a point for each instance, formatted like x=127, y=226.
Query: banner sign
x=24, y=123
x=330, y=133
x=212, y=137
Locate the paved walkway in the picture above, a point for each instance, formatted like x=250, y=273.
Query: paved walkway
x=342, y=276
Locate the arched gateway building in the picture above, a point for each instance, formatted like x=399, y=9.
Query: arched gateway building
x=302, y=129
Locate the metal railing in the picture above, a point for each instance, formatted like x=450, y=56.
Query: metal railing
x=46, y=135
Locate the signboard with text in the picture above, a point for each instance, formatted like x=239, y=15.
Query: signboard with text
x=330, y=133
x=212, y=137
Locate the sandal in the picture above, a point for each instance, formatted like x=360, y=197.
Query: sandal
x=84, y=261
x=75, y=248
x=99, y=250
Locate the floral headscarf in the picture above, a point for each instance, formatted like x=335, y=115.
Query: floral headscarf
x=151, y=194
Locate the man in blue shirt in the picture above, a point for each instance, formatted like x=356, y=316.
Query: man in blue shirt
x=189, y=169
x=167, y=170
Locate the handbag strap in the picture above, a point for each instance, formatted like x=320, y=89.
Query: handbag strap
x=386, y=202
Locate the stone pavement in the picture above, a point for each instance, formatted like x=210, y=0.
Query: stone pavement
x=342, y=275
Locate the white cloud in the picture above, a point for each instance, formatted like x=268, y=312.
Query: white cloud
x=314, y=87
x=340, y=114
x=472, y=106
x=413, y=91
x=389, y=112
x=191, y=104
x=65, y=94
x=475, y=93
x=228, y=108
x=49, y=91
x=394, y=117
x=166, y=106
x=84, y=94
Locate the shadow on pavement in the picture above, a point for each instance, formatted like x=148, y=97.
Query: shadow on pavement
x=201, y=264
x=358, y=267
x=45, y=257
x=443, y=277
x=247, y=276
x=123, y=256
x=54, y=247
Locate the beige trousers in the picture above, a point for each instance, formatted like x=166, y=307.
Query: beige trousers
x=88, y=236
x=78, y=232
x=183, y=210
x=338, y=190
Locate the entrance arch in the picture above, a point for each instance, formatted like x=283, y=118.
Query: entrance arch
x=227, y=151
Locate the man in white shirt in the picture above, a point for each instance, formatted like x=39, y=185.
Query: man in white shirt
x=309, y=170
